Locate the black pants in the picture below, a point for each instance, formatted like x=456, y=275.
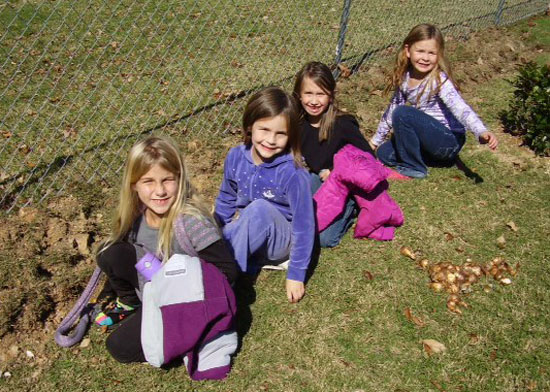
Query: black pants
x=118, y=263
x=124, y=343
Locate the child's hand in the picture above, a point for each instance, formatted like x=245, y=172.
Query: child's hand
x=295, y=290
x=323, y=174
x=489, y=138
x=372, y=145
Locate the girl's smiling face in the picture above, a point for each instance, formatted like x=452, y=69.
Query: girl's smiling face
x=157, y=190
x=423, y=56
x=314, y=100
x=269, y=138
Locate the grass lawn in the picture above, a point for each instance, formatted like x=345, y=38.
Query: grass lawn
x=81, y=81
x=351, y=331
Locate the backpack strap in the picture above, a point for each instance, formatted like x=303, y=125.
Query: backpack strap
x=183, y=238
x=82, y=309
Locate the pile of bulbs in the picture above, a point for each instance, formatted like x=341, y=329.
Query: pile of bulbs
x=458, y=279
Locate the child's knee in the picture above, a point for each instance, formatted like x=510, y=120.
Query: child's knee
x=116, y=253
x=401, y=112
x=386, y=153
x=258, y=212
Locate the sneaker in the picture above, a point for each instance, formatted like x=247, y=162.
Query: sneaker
x=277, y=267
x=395, y=175
x=113, y=313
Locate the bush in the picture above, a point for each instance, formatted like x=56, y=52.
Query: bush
x=529, y=112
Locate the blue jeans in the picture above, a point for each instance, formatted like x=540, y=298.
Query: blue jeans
x=332, y=235
x=417, y=138
x=261, y=235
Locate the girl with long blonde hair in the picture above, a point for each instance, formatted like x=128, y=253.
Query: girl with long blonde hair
x=157, y=206
x=428, y=116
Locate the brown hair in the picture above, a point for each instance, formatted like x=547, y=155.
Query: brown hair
x=418, y=33
x=272, y=102
x=320, y=74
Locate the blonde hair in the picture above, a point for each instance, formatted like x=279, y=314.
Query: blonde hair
x=418, y=33
x=320, y=74
x=272, y=102
x=155, y=150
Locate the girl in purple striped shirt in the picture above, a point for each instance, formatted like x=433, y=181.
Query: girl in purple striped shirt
x=428, y=116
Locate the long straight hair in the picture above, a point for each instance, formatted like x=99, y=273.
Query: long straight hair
x=418, y=33
x=272, y=102
x=162, y=151
x=319, y=74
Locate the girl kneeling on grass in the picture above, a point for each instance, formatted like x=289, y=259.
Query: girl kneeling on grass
x=160, y=211
x=426, y=112
x=264, y=182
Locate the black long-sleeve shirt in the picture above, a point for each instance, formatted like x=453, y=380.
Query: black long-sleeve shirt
x=319, y=155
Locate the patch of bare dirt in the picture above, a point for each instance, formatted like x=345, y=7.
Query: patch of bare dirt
x=47, y=260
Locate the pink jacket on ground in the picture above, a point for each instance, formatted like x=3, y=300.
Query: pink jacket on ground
x=359, y=174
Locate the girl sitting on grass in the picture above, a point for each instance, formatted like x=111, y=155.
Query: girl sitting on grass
x=159, y=211
x=426, y=112
x=265, y=185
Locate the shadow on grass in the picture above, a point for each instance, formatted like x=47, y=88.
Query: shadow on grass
x=467, y=171
x=245, y=293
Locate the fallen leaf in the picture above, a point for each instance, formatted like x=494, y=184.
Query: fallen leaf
x=432, y=346
x=449, y=236
x=378, y=93
x=501, y=242
x=532, y=385
x=85, y=343
x=69, y=132
x=512, y=226
x=23, y=148
x=368, y=275
x=493, y=355
x=412, y=318
x=437, y=385
x=345, y=72
x=7, y=134
x=474, y=339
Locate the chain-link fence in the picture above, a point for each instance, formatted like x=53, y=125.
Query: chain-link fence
x=81, y=80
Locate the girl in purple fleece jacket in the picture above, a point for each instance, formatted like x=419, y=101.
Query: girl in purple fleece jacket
x=264, y=182
x=426, y=112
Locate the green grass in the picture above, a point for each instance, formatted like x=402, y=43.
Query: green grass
x=349, y=333
x=82, y=80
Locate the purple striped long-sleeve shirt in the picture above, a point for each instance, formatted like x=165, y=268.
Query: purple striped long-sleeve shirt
x=447, y=107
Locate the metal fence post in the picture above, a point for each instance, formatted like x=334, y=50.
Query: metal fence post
x=342, y=36
x=499, y=11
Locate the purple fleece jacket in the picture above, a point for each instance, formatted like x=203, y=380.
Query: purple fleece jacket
x=281, y=183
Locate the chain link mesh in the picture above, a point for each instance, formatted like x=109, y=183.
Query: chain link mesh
x=80, y=81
